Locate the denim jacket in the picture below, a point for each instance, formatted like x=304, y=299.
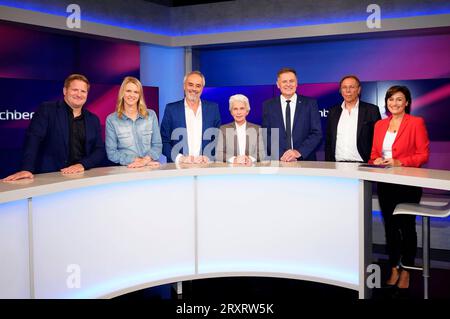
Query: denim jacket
x=127, y=139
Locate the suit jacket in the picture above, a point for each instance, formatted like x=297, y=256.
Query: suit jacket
x=411, y=145
x=368, y=115
x=174, y=117
x=228, y=146
x=306, y=129
x=47, y=139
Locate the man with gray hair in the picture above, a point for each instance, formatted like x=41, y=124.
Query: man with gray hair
x=240, y=142
x=189, y=126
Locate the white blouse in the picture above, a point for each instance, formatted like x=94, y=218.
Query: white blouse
x=389, y=139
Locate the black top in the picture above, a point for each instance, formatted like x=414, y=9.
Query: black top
x=368, y=115
x=77, y=137
x=46, y=147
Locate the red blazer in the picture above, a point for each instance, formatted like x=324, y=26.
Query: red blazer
x=411, y=145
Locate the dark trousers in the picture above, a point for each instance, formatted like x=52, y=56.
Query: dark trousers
x=401, y=236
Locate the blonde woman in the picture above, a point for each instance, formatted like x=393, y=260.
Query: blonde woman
x=132, y=132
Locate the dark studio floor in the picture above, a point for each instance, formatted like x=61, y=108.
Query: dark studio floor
x=263, y=289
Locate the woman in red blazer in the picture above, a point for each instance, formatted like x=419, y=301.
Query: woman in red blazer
x=399, y=140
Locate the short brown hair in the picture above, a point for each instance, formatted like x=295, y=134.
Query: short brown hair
x=350, y=76
x=396, y=89
x=286, y=70
x=74, y=77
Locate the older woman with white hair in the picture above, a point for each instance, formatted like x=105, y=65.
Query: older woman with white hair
x=240, y=142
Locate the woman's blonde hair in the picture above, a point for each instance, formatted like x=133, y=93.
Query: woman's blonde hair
x=120, y=107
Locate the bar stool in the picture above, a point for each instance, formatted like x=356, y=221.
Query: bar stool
x=426, y=211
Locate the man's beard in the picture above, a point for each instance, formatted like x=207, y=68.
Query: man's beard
x=193, y=97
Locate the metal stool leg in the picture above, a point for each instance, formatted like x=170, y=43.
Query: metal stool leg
x=426, y=211
x=425, y=254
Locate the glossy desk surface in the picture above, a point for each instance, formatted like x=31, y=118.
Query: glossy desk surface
x=43, y=184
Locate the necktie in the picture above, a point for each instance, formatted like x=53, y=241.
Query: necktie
x=288, y=124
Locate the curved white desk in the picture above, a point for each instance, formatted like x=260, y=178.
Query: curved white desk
x=114, y=230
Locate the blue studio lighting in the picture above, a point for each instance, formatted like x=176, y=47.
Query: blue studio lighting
x=61, y=11
x=233, y=27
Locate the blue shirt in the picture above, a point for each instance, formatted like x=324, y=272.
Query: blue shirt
x=127, y=139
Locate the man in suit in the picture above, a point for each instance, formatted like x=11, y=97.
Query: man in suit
x=63, y=136
x=239, y=142
x=297, y=120
x=350, y=125
x=190, y=126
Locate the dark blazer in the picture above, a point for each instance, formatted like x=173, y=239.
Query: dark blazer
x=368, y=115
x=47, y=139
x=227, y=145
x=174, y=117
x=306, y=130
x=411, y=145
